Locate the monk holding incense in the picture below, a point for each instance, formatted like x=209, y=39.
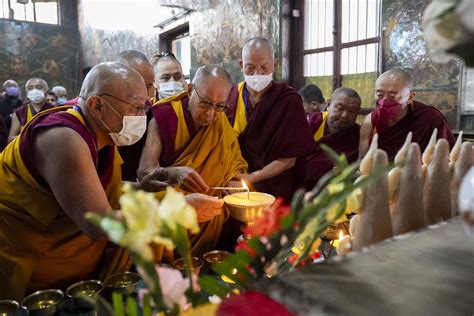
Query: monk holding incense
x=336, y=128
x=36, y=89
x=269, y=119
x=397, y=113
x=190, y=144
x=65, y=163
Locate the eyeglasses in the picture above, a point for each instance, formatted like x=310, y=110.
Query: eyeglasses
x=208, y=105
x=138, y=109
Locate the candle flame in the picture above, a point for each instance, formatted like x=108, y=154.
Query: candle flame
x=341, y=235
x=244, y=185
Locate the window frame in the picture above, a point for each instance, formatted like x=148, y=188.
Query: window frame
x=338, y=45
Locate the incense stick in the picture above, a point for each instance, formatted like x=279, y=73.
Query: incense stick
x=227, y=188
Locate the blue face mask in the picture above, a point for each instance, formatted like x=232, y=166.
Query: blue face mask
x=62, y=100
x=12, y=91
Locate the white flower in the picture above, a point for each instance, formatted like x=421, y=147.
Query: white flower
x=174, y=210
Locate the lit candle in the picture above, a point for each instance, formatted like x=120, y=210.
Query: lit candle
x=336, y=242
x=344, y=246
x=244, y=185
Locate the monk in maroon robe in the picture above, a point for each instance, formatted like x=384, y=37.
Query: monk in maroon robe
x=336, y=128
x=269, y=119
x=131, y=154
x=397, y=113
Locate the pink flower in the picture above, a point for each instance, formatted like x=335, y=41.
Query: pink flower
x=173, y=285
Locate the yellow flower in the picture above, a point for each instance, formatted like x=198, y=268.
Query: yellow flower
x=354, y=201
x=174, y=210
x=335, y=187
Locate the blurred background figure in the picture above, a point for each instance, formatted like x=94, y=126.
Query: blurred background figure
x=313, y=100
x=52, y=99
x=10, y=102
x=61, y=94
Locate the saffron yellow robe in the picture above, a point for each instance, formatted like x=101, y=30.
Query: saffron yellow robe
x=212, y=151
x=40, y=246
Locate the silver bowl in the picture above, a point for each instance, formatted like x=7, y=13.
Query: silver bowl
x=124, y=282
x=197, y=264
x=8, y=307
x=215, y=256
x=85, y=293
x=248, y=207
x=43, y=303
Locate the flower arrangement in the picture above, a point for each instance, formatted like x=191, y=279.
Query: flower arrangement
x=449, y=30
x=285, y=237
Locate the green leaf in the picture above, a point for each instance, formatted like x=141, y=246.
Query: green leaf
x=297, y=201
x=212, y=286
x=117, y=301
x=132, y=307
x=147, y=310
x=338, y=160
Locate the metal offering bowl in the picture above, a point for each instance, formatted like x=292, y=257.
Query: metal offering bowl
x=215, y=256
x=85, y=293
x=332, y=232
x=8, y=307
x=122, y=282
x=43, y=303
x=197, y=264
x=248, y=207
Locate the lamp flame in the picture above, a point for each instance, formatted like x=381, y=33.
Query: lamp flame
x=244, y=185
x=341, y=235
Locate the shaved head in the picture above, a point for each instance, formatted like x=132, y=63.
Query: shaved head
x=347, y=92
x=37, y=81
x=111, y=78
x=259, y=43
x=9, y=83
x=129, y=57
x=399, y=74
x=139, y=62
x=211, y=71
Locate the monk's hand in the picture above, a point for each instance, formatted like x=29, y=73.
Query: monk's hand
x=207, y=207
x=154, y=181
x=188, y=179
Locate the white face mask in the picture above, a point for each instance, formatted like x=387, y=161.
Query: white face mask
x=133, y=128
x=169, y=89
x=36, y=96
x=258, y=82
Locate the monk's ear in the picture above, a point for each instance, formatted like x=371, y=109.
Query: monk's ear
x=190, y=88
x=94, y=106
x=275, y=64
x=241, y=64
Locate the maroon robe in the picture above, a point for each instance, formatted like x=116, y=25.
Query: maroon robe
x=167, y=122
x=276, y=128
x=421, y=121
x=103, y=159
x=343, y=142
x=22, y=112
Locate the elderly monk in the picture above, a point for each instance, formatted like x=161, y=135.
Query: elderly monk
x=269, y=119
x=131, y=154
x=169, y=78
x=336, y=128
x=65, y=163
x=36, y=89
x=191, y=144
x=397, y=113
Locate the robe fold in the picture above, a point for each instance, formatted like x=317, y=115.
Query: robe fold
x=276, y=127
x=421, y=120
x=40, y=246
x=3, y=134
x=343, y=142
x=212, y=151
x=26, y=112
